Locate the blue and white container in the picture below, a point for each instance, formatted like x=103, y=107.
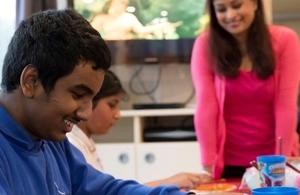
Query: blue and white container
x=272, y=170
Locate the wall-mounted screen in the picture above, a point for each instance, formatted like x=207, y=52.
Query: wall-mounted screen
x=139, y=31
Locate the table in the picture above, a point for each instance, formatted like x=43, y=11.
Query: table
x=237, y=182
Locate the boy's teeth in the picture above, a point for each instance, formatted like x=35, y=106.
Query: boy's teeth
x=69, y=123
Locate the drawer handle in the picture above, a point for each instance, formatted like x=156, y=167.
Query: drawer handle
x=123, y=158
x=149, y=158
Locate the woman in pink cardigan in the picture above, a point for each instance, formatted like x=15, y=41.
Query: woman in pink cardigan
x=246, y=75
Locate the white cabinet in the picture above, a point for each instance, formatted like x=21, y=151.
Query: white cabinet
x=118, y=159
x=147, y=161
x=161, y=160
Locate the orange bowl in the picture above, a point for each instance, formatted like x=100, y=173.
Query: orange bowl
x=215, y=187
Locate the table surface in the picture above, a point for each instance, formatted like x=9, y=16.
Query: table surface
x=237, y=182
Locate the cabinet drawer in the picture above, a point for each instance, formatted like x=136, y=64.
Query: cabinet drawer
x=161, y=160
x=118, y=159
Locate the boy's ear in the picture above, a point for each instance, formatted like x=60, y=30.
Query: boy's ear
x=28, y=80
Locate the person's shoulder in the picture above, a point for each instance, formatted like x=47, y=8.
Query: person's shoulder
x=282, y=36
x=281, y=31
x=202, y=39
x=128, y=16
x=203, y=36
x=99, y=18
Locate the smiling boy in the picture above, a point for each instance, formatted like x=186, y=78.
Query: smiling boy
x=54, y=66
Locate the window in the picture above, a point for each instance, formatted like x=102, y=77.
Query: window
x=7, y=27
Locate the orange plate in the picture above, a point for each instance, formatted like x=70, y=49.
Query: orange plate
x=215, y=187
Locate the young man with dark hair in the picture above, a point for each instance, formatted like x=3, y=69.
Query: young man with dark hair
x=53, y=68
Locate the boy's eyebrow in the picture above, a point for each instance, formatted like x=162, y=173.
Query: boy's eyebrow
x=84, y=88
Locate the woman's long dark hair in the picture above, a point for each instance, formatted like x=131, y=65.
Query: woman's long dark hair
x=225, y=50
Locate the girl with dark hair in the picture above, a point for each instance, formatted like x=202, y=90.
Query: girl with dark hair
x=246, y=75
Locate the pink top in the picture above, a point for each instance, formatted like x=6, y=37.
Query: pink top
x=210, y=98
x=251, y=124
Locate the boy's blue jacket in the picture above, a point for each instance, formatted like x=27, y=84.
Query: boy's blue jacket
x=43, y=167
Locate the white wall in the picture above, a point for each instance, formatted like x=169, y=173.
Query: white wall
x=286, y=13
x=175, y=83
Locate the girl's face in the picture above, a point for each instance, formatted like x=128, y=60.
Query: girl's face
x=104, y=116
x=235, y=16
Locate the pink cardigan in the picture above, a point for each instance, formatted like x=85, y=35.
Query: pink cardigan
x=210, y=93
